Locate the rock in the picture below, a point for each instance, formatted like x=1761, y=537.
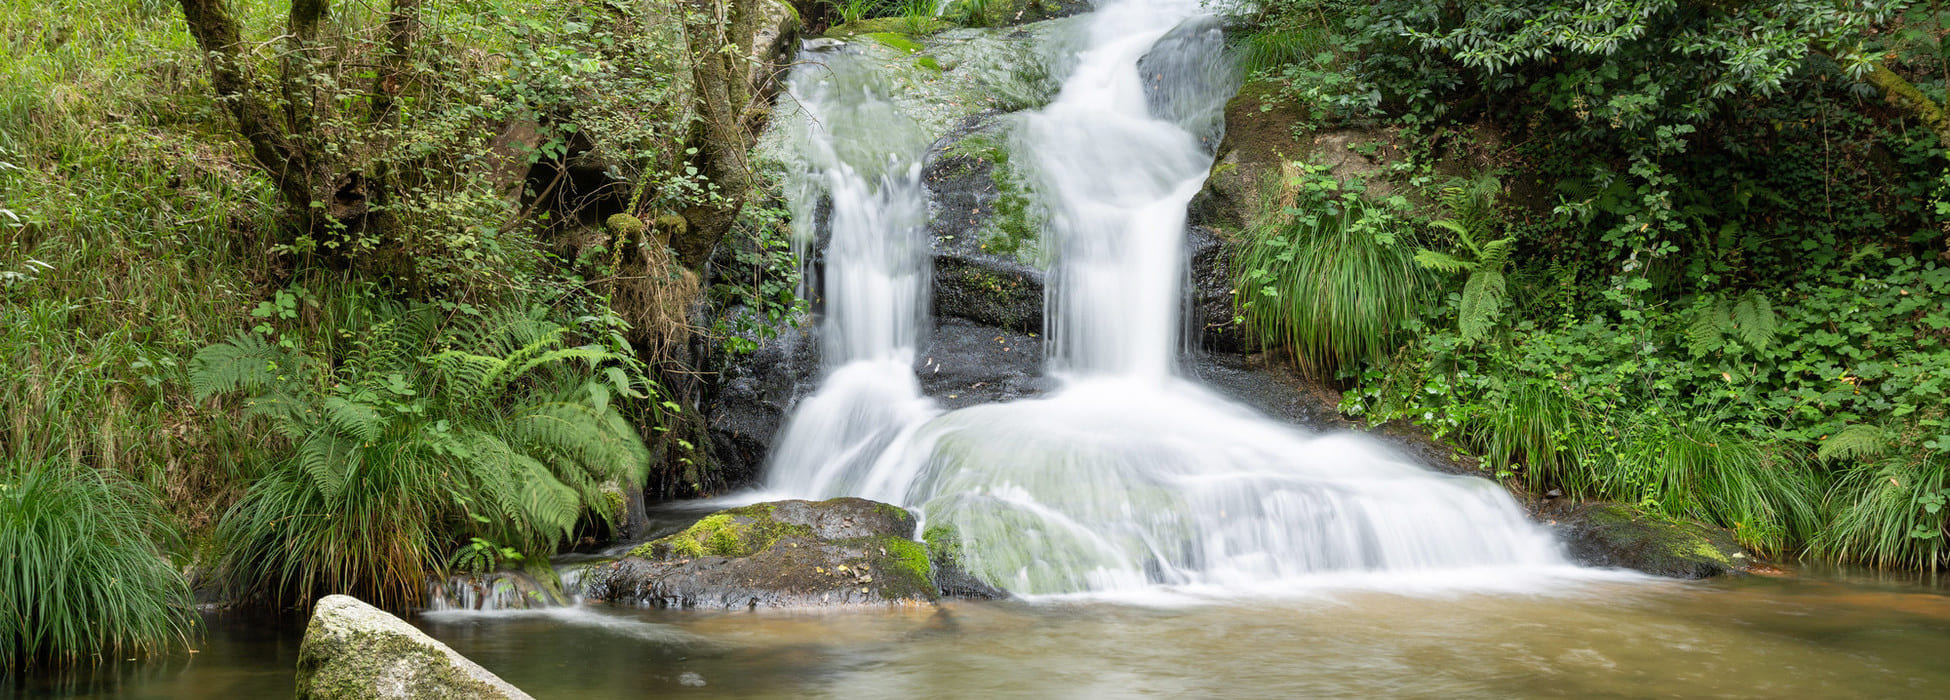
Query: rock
x=1209, y=298
x=1620, y=536
x=784, y=554
x=944, y=552
x=986, y=228
x=1188, y=77
x=1253, y=166
x=355, y=651
x=749, y=394
x=1009, y=13
x=964, y=364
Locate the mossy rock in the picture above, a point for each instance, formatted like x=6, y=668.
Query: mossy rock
x=896, y=26
x=1009, y=13
x=1620, y=536
x=785, y=554
x=353, y=651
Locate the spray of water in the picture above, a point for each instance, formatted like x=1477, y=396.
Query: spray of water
x=1130, y=476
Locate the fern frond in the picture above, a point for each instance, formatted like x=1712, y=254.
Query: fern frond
x=1496, y=253
x=362, y=422
x=466, y=374
x=1754, y=320
x=1441, y=262
x=1482, y=303
x=243, y=363
x=325, y=459
x=1706, y=334
x=1855, y=442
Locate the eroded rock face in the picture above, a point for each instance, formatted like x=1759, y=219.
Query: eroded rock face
x=1620, y=536
x=354, y=651
x=750, y=394
x=785, y=554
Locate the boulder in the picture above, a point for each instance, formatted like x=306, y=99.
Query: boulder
x=355, y=651
x=1188, y=76
x=1620, y=536
x=784, y=554
x=749, y=392
x=985, y=227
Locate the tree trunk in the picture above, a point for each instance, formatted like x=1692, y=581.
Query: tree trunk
x=719, y=38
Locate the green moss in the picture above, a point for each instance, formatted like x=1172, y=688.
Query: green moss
x=928, y=63
x=735, y=532
x=888, y=25
x=898, y=42
x=944, y=544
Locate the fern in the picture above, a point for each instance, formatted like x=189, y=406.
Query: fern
x=428, y=435
x=1754, y=322
x=1471, y=207
x=1855, y=442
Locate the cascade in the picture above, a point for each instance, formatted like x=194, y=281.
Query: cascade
x=1129, y=476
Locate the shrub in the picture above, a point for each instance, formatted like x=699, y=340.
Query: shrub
x=440, y=426
x=80, y=577
x=1331, y=277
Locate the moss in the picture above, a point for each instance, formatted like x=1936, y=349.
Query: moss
x=888, y=25
x=927, y=62
x=625, y=226
x=898, y=42
x=906, y=569
x=944, y=544
x=736, y=532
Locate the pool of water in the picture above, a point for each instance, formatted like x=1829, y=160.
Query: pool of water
x=1822, y=634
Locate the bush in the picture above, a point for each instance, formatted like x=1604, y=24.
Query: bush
x=80, y=577
x=441, y=425
x=1332, y=277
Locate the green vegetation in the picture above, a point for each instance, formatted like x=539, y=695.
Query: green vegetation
x=441, y=423
x=1328, y=276
x=730, y=533
x=1686, y=256
x=81, y=578
x=374, y=226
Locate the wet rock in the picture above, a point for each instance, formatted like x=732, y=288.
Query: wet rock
x=1209, y=298
x=353, y=651
x=785, y=554
x=1188, y=75
x=1253, y=167
x=964, y=364
x=1008, y=13
x=1620, y=536
x=953, y=580
x=749, y=394
x=985, y=228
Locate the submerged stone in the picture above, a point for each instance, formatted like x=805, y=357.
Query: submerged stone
x=356, y=651
x=784, y=554
x=1620, y=536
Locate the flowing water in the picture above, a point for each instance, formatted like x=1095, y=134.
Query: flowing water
x=1830, y=635
x=1129, y=476
x=1171, y=543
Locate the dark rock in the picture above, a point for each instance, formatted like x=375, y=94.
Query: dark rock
x=749, y=395
x=1188, y=76
x=843, y=551
x=1209, y=300
x=1009, y=13
x=944, y=552
x=1620, y=536
x=979, y=273
x=965, y=364
x=353, y=651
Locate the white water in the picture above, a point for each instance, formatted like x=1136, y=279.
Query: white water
x=1129, y=477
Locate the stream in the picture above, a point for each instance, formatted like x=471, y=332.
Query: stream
x=1164, y=540
x=1824, y=633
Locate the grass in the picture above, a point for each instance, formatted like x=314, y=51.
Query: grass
x=1331, y=284
x=81, y=579
x=1547, y=431
x=1879, y=513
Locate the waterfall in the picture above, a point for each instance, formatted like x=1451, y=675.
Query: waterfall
x=1129, y=476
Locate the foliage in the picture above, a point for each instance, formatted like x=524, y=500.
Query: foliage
x=1330, y=276
x=81, y=578
x=441, y=424
x=1481, y=256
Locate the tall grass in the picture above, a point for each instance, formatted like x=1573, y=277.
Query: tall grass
x=1699, y=469
x=1334, y=285
x=1544, y=430
x=80, y=578
x=438, y=427
x=1880, y=514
